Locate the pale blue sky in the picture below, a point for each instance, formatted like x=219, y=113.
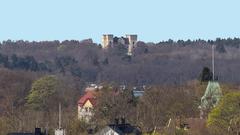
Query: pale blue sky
x=152, y=20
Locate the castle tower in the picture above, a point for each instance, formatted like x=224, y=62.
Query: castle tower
x=107, y=40
x=132, y=41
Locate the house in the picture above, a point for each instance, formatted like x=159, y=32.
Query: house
x=37, y=132
x=20, y=134
x=87, y=102
x=138, y=91
x=60, y=131
x=86, y=105
x=119, y=129
x=93, y=87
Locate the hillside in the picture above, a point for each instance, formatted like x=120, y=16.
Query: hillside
x=162, y=63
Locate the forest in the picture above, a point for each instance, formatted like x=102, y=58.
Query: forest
x=166, y=62
x=175, y=73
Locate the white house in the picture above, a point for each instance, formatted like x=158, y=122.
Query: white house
x=119, y=129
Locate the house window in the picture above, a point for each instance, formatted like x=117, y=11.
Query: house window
x=88, y=109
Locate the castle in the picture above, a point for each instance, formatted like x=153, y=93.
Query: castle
x=109, y=39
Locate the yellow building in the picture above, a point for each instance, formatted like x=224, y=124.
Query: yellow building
x=86, y=105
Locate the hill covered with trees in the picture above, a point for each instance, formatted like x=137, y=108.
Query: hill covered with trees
x=166, y=62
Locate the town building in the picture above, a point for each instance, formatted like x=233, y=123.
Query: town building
x=37, y=132
x=119, y=129
x=138, y=91
x=60, y=131
x=87, y=102
x=86, y=105
x=93, y=87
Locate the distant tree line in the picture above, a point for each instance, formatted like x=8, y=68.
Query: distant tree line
x=234, y=42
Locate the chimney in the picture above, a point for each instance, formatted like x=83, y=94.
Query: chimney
x=45, y=132
x=116, y=121
x=123, y=121
x=37, y=131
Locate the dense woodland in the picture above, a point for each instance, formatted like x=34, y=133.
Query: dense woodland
x=166, y=62
x=63, y=69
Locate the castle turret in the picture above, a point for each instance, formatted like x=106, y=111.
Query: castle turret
x=107, y=40
x=132, y=41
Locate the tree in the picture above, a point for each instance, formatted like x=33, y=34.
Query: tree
x=77, y=127
x=206, y=75
x=159, y=104
x=220, y=48
x=76, y=71
x=4, y=60
x=220, y=119
x=63, y=62
x=14, y=86
x=30, y=63
x=105, y=62
x=113, y=103
x=42, y=93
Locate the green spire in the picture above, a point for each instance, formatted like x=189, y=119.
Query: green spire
x=212, y=96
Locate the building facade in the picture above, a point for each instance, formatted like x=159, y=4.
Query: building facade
x=120, y=129
x=86, y=105
x=107, y=40
x=130, y=40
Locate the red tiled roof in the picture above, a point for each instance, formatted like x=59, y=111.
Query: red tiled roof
x=89, y=95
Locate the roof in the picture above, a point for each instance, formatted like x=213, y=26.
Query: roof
x=212, y=95
x=89, y=95
x=121, y=129
x=37, y=132
x=138, y=93
x=104, y=130
x=20, y=134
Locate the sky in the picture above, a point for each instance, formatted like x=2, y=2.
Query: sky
x=152, y=20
